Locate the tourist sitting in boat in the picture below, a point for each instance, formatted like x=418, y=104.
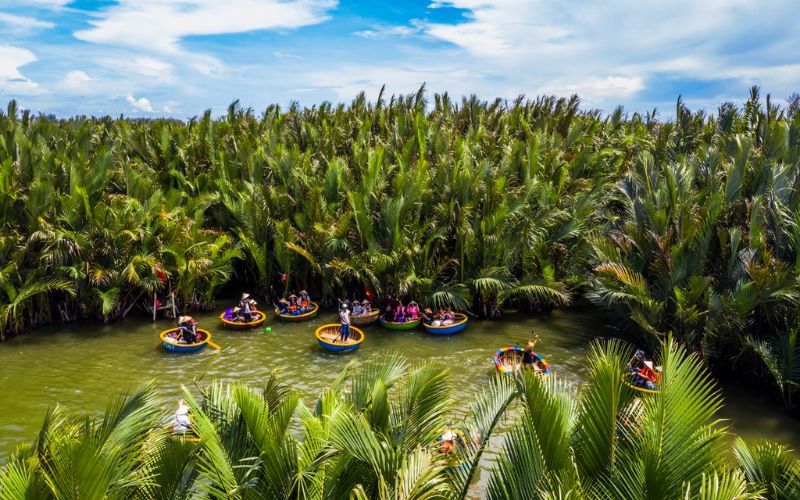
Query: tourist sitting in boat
x=400, y=313
x=305, y=301
x=182, y=423
x=366, y=307
x=294, y=305
x=449, y=317
x=187, y=329
x=283, y=306
x=388, y=313
x=344, y=318
x=246, y=308
x=447, y=442
x=438, y=318
x=427, y=316
x=643, y=374
x=357, y=309
x=412, y=311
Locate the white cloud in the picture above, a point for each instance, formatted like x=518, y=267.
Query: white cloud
x=76, y=80
x=378, y=32
x=284, y=55
x=23, y=23
x=159, y=25
x=154, y=70
x=141, y=104
x=12, y=80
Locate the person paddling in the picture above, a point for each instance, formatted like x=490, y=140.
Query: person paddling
x=344, y=317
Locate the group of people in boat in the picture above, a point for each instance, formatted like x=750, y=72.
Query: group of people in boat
x=442, y=317
x=245, y=312
x=396, y=312
x=642, y=373
x=296, y=306
x=361, y=308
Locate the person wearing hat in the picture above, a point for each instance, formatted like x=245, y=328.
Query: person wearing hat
x=344, y=318
x=413, y=311
x=188, y=329
x=305, y=301
x=283, y=306
x=427, y=315
x=357, y=309
x=183, y=422
x=294, y=307
x=246, y=307
x=366, y=306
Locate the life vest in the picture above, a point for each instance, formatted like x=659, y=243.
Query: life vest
x=647, y=373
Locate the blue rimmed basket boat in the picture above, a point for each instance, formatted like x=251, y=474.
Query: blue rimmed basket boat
x=294, y=318
x=508, y=360
x=455, y=327
x=172, y=345
x=228, y=318
x=327, y=336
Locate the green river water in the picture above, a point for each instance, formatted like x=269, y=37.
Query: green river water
x=82, y=365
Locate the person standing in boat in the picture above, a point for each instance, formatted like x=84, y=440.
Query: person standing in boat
x=246, y=306
x=344, y=318
x=528, y=356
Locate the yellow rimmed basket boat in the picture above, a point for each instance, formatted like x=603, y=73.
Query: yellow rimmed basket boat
x=328, y=335
x=172, y=345
x=626, y=379
x=298, y=317
x=508, y=360
x=458, y=325
x=228, y=319
x=365, y=319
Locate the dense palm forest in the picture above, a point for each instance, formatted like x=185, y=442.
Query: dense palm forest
x=374, y=434
x=689, y=225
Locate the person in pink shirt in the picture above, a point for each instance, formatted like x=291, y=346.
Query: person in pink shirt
x=413, y=311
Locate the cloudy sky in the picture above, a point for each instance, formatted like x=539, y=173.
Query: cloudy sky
x=180, y=57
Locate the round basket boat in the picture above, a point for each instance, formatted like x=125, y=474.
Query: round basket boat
x=228, y=319
x=328, y=335
x=626, y=379
x=406, y=325
x=365, y=319
x=170, y=344
x=508, y=360
x=455, y=327
x=299, y=317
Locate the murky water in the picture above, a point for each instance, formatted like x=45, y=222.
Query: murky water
x=82, y=365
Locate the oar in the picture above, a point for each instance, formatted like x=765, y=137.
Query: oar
x=215, y=346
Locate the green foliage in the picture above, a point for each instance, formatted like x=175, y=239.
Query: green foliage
x=689, y=226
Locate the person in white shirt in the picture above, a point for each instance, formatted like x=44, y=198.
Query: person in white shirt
x=344, y=317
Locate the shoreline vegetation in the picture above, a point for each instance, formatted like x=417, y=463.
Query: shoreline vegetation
x=389, y=429
x=689, y=225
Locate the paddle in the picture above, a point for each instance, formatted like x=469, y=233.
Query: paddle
x=215, y=346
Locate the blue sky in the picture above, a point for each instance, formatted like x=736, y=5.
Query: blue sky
x=180, y=57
